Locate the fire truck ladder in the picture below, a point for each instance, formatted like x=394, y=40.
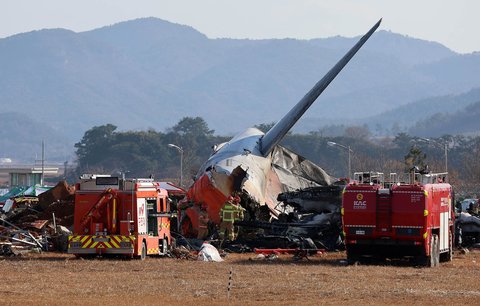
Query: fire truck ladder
x=384, y=212
x=108, y=195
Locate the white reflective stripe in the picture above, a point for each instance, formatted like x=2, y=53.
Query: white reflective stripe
x=141, y=189
x=360, y=225
x=411, y=192
x=444, y=231
x=141, y=216
x=359, y=191
x=406, y=226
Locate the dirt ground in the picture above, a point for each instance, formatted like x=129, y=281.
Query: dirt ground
x=61, y=279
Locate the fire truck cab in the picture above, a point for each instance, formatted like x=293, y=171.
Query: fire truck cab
x=120, y=216
x=395, y=218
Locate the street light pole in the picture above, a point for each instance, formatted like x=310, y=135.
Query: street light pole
x=349, y=163
x=334, y=144
x=179, y=149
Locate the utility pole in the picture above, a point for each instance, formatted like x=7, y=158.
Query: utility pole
x=43, y=163
x=65, y=165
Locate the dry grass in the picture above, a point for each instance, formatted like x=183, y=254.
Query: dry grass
x=60, y=279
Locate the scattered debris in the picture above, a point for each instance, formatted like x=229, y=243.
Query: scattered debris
x=209, y=253
x=313, y=214
x=263, y=257
x=259, y=257
x=468, y=225
x=6, y=249
x=182, y=252
x=36, y=218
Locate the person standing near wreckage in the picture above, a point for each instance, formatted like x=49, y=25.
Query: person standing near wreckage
x=238, y=214
x=230, y=212
x=226, y=220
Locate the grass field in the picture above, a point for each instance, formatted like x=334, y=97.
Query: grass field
x=61, y=279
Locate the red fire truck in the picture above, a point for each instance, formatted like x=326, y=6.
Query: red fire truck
x=120, y=216
x=396, y=219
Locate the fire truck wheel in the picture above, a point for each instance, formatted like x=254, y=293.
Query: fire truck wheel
x=143, y=255
x=352, y=257
x=164, y=246
x=351, y=260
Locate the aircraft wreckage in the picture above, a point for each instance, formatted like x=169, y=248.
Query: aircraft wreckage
x=254, y=166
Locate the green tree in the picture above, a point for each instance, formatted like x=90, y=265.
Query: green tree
x=105, y=150
x=402, y=141
x=196, y=140
x=192, y=126
x=358, y=132
x=415, y=157
x=92, y=148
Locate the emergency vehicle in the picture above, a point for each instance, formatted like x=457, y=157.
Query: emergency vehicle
x=394, y=219
x=120, y=216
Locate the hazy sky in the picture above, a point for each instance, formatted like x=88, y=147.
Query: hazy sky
x=454, y=23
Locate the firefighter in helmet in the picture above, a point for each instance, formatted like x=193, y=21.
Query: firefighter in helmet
x=238, y=215
x=230, y=212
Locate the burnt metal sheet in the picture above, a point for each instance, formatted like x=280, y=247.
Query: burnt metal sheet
x=38, y=224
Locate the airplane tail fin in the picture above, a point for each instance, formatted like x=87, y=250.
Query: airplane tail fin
x=281, y=128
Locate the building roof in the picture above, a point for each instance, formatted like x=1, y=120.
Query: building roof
x=27, y=169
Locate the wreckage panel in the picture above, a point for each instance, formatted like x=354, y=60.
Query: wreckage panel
x=300, y=167
x=203, y=191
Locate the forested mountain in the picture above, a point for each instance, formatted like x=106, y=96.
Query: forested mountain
x=149, y=73
x=21, y=139
x=406, y=116
x=465, y=121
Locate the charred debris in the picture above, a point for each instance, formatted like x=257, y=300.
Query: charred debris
x=35, y=223
x=310, y=219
